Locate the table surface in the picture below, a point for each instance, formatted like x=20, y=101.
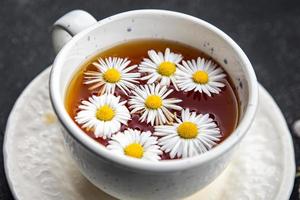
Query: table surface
x=268, y=32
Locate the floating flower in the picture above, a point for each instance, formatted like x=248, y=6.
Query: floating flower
x=200, y=75
x=192, y=135
x=112, y=72
x=103, y=114
x=160, y=67
x=150, y=100
x=136, y=144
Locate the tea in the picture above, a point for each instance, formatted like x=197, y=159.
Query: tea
x=215, y=106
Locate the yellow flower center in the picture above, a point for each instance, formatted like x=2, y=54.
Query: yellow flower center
x=134, y=150
x=187, y=130
x=112, y=75
x=166, y=68
x=105, y=113
x=200, y=77
x=153, y=102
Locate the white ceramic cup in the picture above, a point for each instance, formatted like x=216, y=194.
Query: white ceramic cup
x=127, y=178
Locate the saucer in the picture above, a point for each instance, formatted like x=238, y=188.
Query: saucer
x=38, y=167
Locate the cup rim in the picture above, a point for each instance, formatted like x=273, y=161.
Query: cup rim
x=137, y=164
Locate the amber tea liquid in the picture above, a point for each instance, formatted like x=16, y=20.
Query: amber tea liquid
x=223, y=107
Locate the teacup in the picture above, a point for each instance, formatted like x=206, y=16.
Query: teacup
x=81, y=36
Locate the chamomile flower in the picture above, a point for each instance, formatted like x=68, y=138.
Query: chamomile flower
x=192, y=135
x=151, y=102
x=112, y=72
x=136, y=144
x=103, y=114
x=160, y=67
x=201, y=76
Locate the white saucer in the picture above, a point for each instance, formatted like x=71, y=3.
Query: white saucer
x=38, y=168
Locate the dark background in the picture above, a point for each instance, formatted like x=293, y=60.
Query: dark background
x=268, y=32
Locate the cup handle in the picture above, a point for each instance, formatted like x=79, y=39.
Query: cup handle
x=69, y=25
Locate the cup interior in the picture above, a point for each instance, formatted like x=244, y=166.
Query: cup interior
x=147, y=24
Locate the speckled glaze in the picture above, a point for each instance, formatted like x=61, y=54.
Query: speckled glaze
x=128, y=178
x=36, y=160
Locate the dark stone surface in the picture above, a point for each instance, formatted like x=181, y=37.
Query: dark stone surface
x=268, y=32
